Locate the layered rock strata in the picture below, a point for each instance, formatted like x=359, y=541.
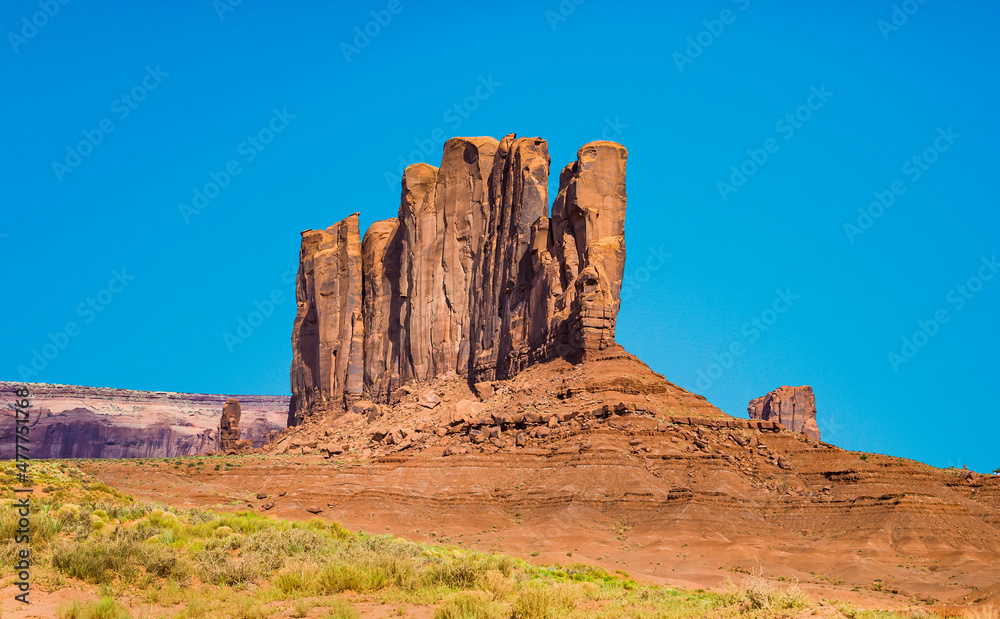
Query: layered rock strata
x=473, y=277
x=793, y=407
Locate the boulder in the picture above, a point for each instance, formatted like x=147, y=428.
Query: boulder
x=429, y=399
x=468, y=410
x=363, y=408
x=484, y=390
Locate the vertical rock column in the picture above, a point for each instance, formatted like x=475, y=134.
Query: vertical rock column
x=328, y=333
x=518, y=197
x=229, y=426
x=590, y=231
x=420, y=274
x=461, y=198
x=380, y=267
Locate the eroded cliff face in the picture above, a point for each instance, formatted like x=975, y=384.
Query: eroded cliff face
x=473, y=277
x=793, y=407
x=328, y=334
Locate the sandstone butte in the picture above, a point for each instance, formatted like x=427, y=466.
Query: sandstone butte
x=793, y=407
x=474, y=277
x=455, y=379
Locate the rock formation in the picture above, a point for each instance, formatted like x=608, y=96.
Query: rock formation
x=793, y=407
x=328, y=334
x=473, y=277
x=229, y=426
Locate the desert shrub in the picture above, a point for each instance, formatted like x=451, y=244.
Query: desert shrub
x=534, y=602
x=105, y=608
x=68, y=512
x=470, y=605
x=496, y=584
x=163, y=562
x=758, y=594
x=45, y=525
x=342, y=609
x=299, y=578
x=337, y=577
x=465, y=571
x=245, y=607
x=369, y=563
x=218, y=566
x=301, y=608
x=95, y=561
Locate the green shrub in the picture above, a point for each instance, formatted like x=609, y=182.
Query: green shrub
x=105, y=608
x=533, y=602
x=342, y=609
x=470, y=605
x=95, y=561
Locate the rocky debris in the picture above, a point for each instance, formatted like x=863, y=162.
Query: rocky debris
x=314, y=509
x=484, y=390
x=261, y=495
x=429, y=399
x=332, y=449
x=229, y=426
x=793, y=407
x=474, y=277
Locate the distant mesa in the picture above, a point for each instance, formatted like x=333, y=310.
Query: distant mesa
x=71, y=421
x=474, y=277
x=793, y=407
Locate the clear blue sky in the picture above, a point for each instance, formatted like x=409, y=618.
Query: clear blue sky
x=183, y=90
